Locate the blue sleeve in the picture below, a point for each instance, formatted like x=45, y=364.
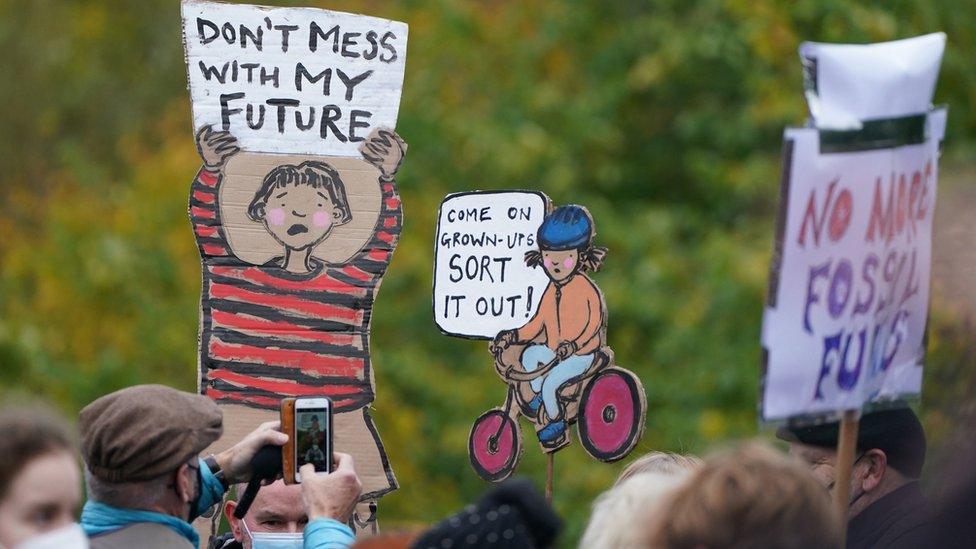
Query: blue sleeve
x=211, y=491
x=323, y=533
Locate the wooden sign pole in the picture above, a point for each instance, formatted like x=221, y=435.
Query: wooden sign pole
x=550, y=457
x=846, y=447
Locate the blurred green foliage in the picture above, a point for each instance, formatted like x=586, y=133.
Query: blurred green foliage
x=664, y=117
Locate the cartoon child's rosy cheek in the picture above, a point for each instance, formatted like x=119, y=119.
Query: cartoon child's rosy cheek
x=321, y=219
x=547, y=262
x=569, y=262
x=276, y=217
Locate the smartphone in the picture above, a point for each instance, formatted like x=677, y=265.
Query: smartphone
x=312, y=434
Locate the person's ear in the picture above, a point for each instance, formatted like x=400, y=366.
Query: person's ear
x=235, y=523
x=256, y=212
x=184, y=483
x=877, y=464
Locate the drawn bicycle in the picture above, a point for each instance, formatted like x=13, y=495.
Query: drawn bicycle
x=606, y=403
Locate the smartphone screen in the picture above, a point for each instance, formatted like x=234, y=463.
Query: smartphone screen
x=312, y=438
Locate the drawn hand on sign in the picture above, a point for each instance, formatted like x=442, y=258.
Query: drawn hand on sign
x=215, y=147
x=557, y=365
x=384, y=149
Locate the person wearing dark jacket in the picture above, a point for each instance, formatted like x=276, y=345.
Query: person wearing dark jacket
x=887, y=507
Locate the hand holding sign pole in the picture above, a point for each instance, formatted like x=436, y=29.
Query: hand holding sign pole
x=511, y=269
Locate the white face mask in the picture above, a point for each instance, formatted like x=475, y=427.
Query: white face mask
x=68, y=537
x=269, y=540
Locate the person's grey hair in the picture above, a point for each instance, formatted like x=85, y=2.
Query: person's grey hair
x=665, y=463
x=616, y=521
x=128, y=495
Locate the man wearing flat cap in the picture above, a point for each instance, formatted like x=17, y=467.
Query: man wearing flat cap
x=887, y=508
x=146, y=482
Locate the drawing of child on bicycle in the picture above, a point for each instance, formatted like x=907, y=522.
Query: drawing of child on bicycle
x=567, y=335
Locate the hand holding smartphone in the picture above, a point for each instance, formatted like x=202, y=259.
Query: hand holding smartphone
x=308, y=423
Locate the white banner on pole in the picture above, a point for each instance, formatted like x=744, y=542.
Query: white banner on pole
x=847, y=308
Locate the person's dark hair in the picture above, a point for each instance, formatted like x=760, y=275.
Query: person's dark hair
x=590, y=258
x=315, y=174
x=29, y=431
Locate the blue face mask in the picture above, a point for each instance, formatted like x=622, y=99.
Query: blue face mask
x=269, y=540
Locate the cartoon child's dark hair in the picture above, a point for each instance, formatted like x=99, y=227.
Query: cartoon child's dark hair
x=315, y=174
x=568, y=228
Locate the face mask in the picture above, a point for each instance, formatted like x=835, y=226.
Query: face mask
x=268, y=540
x=197, y=500
x=68, y=537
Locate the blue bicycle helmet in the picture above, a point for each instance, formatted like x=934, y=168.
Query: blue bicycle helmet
x=566, y=228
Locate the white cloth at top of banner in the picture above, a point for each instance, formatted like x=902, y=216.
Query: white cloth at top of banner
x=855, y=82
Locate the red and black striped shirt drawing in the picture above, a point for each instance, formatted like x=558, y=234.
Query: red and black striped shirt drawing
x=267, y=333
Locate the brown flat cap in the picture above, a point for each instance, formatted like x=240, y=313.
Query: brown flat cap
x=146, y=431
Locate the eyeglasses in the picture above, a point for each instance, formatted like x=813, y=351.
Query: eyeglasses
x=833, y=483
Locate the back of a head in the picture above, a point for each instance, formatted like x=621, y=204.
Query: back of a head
x=612, y=523
x=664, y=463
x=749, y=497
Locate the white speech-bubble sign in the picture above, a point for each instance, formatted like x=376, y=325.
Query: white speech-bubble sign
x=481, y=282
x=293, y=80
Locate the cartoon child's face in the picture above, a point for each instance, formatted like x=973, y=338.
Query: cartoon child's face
x=560, y=265
x=300, y=216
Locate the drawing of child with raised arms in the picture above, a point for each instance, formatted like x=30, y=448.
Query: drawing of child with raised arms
x=277, y=318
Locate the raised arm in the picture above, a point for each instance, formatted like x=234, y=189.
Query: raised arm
x=384, y=149
x=214, y=148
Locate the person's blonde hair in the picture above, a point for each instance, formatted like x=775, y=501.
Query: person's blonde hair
x=748, y=497
x=615, y=521
x=666, y=463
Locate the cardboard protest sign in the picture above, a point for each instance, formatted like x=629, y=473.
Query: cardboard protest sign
x=511, y=268
x=481, y=283
x=293, y=80
x=295, y=228
x=848, y=300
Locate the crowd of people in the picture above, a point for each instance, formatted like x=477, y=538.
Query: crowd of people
x=146, y=479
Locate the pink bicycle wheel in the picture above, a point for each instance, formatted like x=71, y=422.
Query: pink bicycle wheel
x=495, y=445
x=612, y=410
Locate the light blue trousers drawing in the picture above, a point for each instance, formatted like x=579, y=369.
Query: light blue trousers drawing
x=536, y=356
